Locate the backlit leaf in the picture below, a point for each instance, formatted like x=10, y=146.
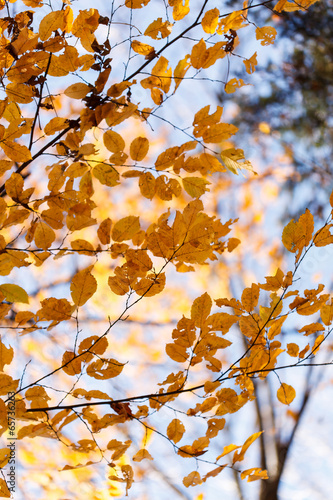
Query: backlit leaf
x=14, y=293
x=175, y=430
x=83, y=287
x=286, y=394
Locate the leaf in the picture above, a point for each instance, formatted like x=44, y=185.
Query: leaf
x=195, y=186
x=159, y=29
x=51, y=22
x=200, y=309
x=104, y=231
x=139, y=148
x=77, y=90
x=83, y=287
x=150, y=285
x=210, y=21
x=71, y=365
x=125, y=228
x=192, y=479
x=44, y=235
x=141, y=455
x=142, y=48
x=113, y=141
x=103, y=369
x=175, y=430
x=4, y=491
x=250, y=64
x=239, y=455
x=266, y=34
x=14, y=293
x=106, y=174
x=286, y=394
x=16, y=152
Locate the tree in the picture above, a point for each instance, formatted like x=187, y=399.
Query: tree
x=109, y=238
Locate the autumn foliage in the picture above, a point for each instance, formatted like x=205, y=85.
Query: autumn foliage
x=110, y=211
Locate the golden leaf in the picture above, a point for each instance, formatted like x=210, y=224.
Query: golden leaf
x=83, y=287
x=104, y=231
x=4, y=491
x=14, y=293
x=210, y=20
x=141, y=455
x=72, y=363
x=266, y=34
x=175, y=430
x=150, y=285
x=139, y=148
x=16, y=152
x=200, y=309
x=44, y=235
x=192, y=479
x=113, y=141
x=142, y=48
x=103, y=369
x=106, y=174
x=126, y=228
x=286, y=394
x=239, y=455
x=195, y=186
x=51, y=22
x=159, y=29
x=77, y=90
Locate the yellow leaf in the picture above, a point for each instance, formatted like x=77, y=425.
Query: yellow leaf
x=147, y=185
x=83, y=287
x=54, y=125
x=180, y=8
x=136, y=4
x=159, y=29
x=286, y=394
x=106, y=174
x=4, y=456
x=200, y=309
x=195, y=186
x=192, y=479
x=142, y=48
x=113, y=141
x=72, y=364
x=175, y=430
x=4, y=491
x=180, y=70
x=250, y=64
x=14, y=293
x=293, y=349
x=118, y=448
x=139, y=148
x=218, y=133
x=239, y=456
x=44, y=235
x=318, y=342
x=150, y=285
x=126, y=228
x=227, y=449
x=103, y=369
x=232, y=85
x=83, y=247
x=77, y=90
x=141, y=455
x=250, y=297
x=266, y=34
x=104, y=231
x=51, y=22
x=210, y=20
x=254, y=474
x=176, y=352
x=16, y=152
x=18, y=92
x=55, y=309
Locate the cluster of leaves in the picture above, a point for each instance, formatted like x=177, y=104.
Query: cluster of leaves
x=52, y=211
